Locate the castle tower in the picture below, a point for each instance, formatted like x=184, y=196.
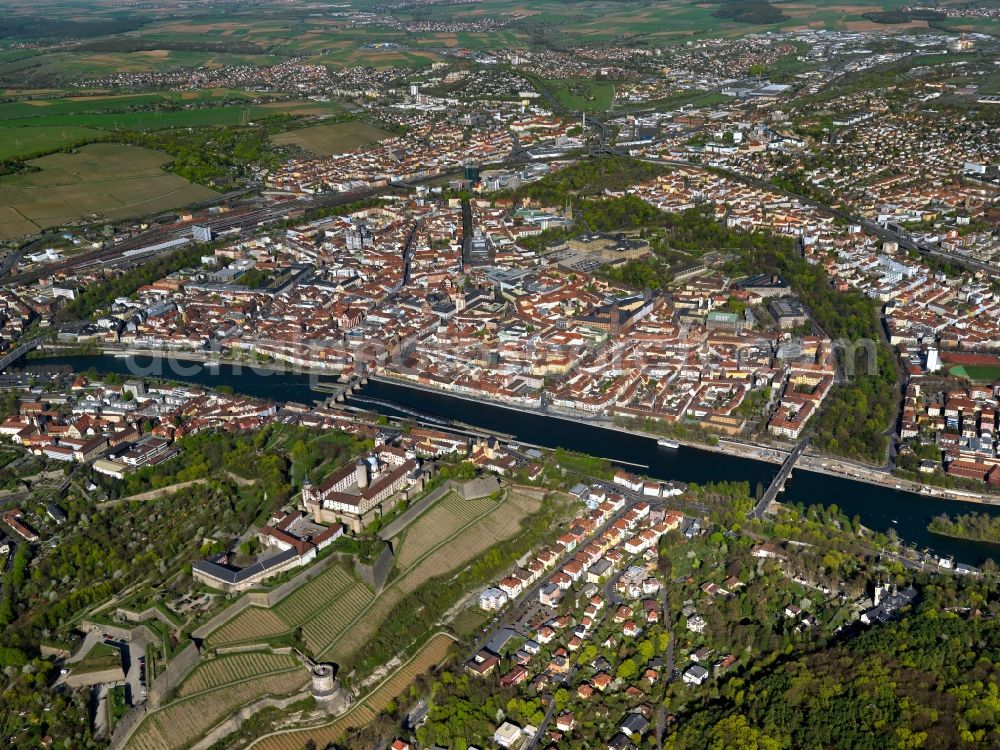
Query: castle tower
x=361, y=473
x=324, y=686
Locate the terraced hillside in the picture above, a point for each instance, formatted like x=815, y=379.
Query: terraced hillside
x=338, y=613
x=435, y=554
x=431, y=655
x=213, y=692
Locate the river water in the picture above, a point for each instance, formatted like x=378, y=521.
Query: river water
x=879, y=508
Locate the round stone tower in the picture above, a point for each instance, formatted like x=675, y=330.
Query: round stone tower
x=324, y=686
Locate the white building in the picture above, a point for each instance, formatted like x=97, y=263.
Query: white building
x=695, y=675
x=491, y=599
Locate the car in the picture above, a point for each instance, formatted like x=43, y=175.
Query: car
x=64, y=671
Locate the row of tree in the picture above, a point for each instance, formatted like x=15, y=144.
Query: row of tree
x=982, y=527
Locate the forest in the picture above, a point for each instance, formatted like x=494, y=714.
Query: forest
x=587, y=177
x=218, y=157
x=915, y=683
x=147, y=545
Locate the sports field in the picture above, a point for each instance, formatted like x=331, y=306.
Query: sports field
x=335, y=138
x=989, y=373
x=111, y=180
x=429, y=656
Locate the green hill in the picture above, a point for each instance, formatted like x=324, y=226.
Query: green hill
x=930, y=680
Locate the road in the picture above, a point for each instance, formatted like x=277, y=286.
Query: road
x=15, y=354
x=134, y=656
x=550, y=710
x=779, y=480
x=527, y=604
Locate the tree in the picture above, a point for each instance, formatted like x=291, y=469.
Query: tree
x=626, y=670
x=645, y=650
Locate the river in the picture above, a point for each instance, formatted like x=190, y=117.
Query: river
x=879, y=508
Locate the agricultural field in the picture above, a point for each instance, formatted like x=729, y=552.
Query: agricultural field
x=432, y=654
x=110, y=180
x=61, y=66
x=151, y=119
x=16, y=142
x=325, y=602
x=180, y=724
x=339, y=614
x=379, y=57
x=445, y=517
x=252, y=624
x=263, y=34
x=335, y=138
x=304, y=107
x=466, y=543
x=31, y=127
x=76, y=105
x=230, y=668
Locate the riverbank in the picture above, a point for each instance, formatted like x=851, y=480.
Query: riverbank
x=729, y=447
x=212, y=359
x=726, y=446
x=878, y=504
x=964, y=538
x=855, y=472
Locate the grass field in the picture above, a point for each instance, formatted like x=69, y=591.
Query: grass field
x=21, y=141
x=111, y=180
x=976, y=372
x=335, y=138
x=582, y=94
x=429, y=656
x=101, y=657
